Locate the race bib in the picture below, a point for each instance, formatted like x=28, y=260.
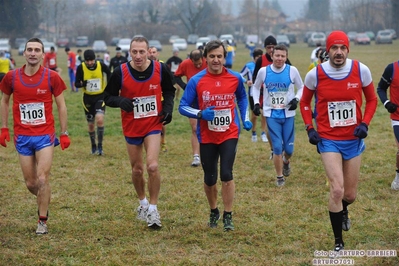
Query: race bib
x=221, y=122
x=145, y=107
x=52, y=62
x=342, y=114
x=277, y=100
x=93, y=85
x=32, y=113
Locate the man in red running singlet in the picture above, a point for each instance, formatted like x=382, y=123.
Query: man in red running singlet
x=137, y=87
x=340, y=84
x=33, y=87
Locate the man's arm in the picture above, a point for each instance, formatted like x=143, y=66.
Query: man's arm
x=62, y=112
x=258, y=65
x=5, y=104
x=79, y=77
x=168, y=91
x=384, y=84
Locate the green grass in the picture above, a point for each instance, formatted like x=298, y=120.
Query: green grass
x=92, y=219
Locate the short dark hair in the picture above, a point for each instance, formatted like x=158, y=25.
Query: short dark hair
x=257, y=52
x=280, y=47
x=34, y=39
x=212, y=45
x=140, y=39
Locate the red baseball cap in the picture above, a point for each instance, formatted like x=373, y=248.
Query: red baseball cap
x=337, y=37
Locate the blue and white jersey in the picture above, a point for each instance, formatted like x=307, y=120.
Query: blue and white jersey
x=278, y=90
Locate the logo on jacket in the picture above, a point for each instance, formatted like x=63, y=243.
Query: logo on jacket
x=352, y=86
x=218, y=84
x=40, y=91
x=153, y=87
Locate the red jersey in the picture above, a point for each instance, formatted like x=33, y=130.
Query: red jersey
x=188, y=69
x=71, y=63
x=146, y=96
x=50, y=60
x=222, y=91
x=265, y=61
x=394, y=90
x=339, y=103
x=33, y=102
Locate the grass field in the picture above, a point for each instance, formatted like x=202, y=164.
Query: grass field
x=92, y=212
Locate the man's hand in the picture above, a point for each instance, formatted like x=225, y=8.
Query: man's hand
x=64, y=141
x=293, y=104
x=256, y=109
x=166, y=117
x=391, y=107
x=208, y=114
x=5, y=136
x=313, y=136
x=361, y=131
x=126, y=104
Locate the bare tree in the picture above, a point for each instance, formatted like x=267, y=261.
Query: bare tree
x=197, y=16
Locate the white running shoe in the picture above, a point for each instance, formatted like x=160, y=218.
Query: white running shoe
x=196, y=161
x=395, y=184
x=142, y=213
x=264, y=138
x=254, y=138
x=41, y=228
x=153, y=219
x=271, y=155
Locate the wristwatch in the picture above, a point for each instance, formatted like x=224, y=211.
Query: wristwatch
x=199, y=115
x=64, y=133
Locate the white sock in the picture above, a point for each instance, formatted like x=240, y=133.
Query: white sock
x=196, y=155
x=144, y=202
x=152, y=207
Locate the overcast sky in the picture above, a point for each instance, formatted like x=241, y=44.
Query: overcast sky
x=293, y=8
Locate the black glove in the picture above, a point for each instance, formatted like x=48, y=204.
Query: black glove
x=293, y=104
x=166, y=117
x=391, y=107
x=126, y=104
x=84, y=83
x=256, y=109
x=314, y=137
x=361, y=131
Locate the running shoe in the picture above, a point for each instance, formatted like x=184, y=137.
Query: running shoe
x=41, y=228
x=346, y=222
x=100, y=150
x=163, y=147
x=213, y=219
x=228, y=223
x=93, y=149
x=395, y=184
x=264, y=137
x=196, y=161
x=153, y=219
x=280, y=181
x=142, y=213
x=336, y=251
x=286, y=168
x=271, y=155
x=254, y=138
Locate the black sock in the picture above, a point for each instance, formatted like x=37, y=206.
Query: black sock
x=216, y=210
x=345, y=205
x=100, y=135
x=336, y=223
x=226, y=213
x=93, y=138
